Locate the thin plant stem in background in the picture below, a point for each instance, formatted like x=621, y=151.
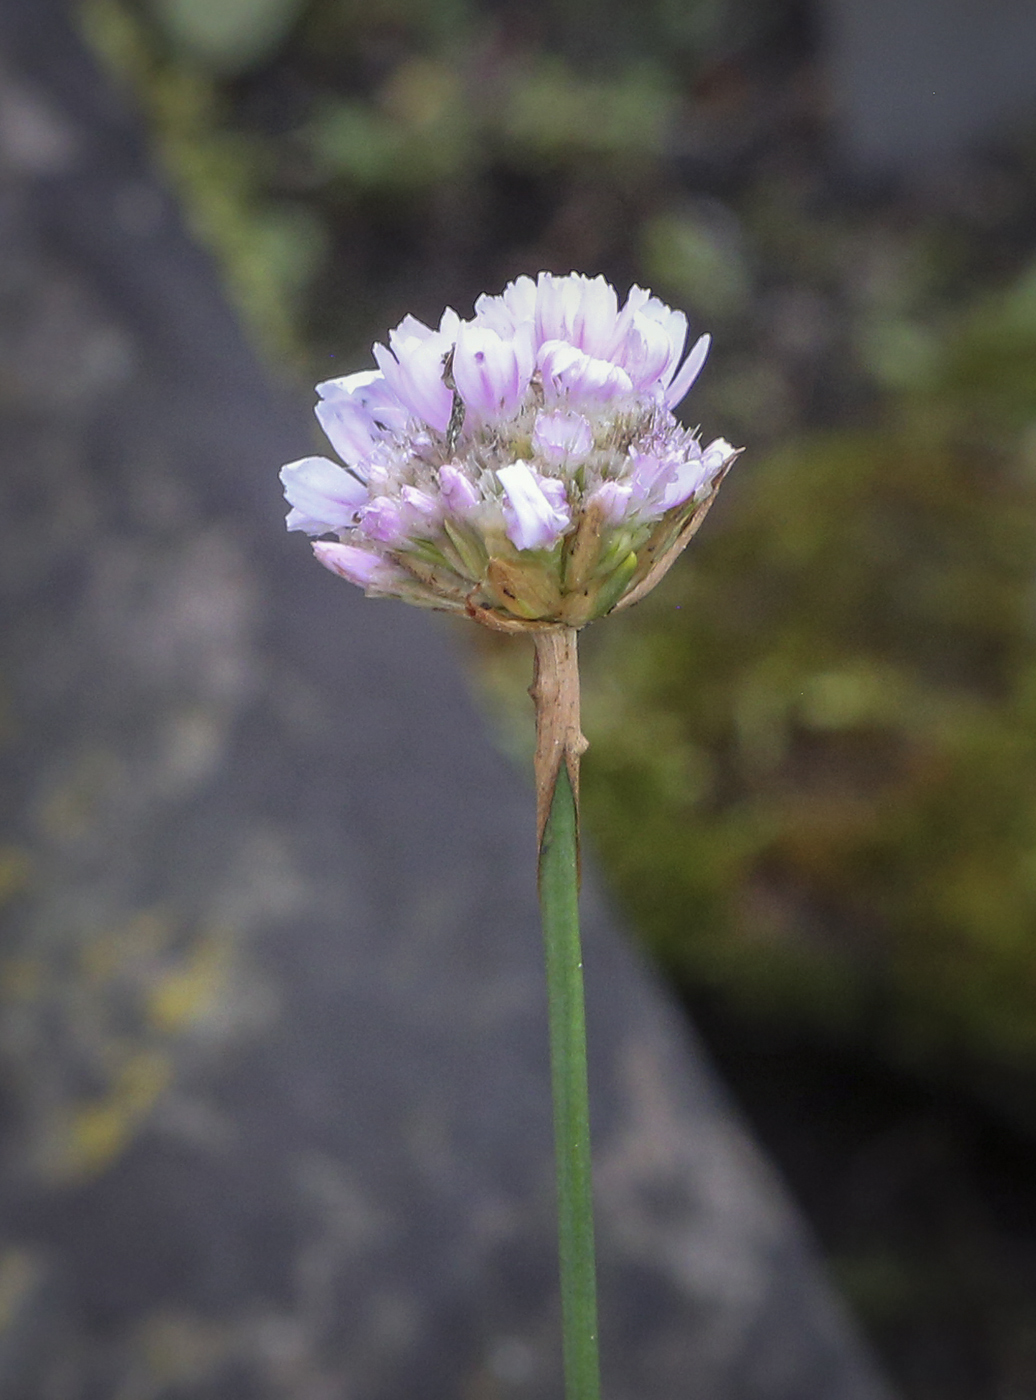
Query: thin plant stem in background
x=555, y=692
x=525, y=468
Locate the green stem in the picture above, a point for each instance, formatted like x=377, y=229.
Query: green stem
x=559, y=908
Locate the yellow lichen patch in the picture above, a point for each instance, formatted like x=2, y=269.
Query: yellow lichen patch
x=99, y=1131
x=140, y=986
x=185, y=995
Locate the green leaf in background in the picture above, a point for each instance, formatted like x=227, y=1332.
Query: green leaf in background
x=698, y=260
x=554, y=113
x=227, y=36
x=416, y=134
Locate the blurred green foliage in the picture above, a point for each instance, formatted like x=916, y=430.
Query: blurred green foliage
x=230, y=36
x=342, y=159
x=813, y=765
x=814, y=774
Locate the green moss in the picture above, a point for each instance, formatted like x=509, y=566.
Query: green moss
x=847, y=656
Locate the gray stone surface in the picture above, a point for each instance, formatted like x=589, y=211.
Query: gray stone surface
x=921, y=83
x=273, y=1047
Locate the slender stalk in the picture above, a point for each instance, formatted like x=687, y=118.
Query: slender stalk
x=557, y=713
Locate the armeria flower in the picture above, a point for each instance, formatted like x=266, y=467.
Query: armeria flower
x=524, y=466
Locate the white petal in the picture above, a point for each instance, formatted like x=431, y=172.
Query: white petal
x=688, y=372
x=323, y=494
x=645, y=352
x=716, y=454
x=350, y=429
x=369, y=391
x=348, y=383
x=686, y=480
x=614, y=499
x=593, y=324
x=458, y=492
x=519, y=297
x=532, y=521
x=360, y=566
x=568, y=372
x=560, y=437
x=410, y=328
x=414, y=373
x=487, y=373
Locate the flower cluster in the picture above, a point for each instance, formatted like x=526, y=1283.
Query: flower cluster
x=524, y=467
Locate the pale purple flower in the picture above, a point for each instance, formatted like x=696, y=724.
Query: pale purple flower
x=572, y=377
x=459, y=493
x=323, y=496
x=686, y=479
x=648, y=475
x=613, y=499
x=395, y=520
x=645, y=337
x=413, y=367
x=359, y=566
x=349, y=427
x=664, y=478
x=515, y=306
x=717, y=452
x=555, y=491
x=491, y=372
x=674, y=326
x=688, y=373
x=645, y=352
x=384, y=520
x=535, y=514
x=561, y=437
x=356, y=412
x=580, y=310
x=476, y=450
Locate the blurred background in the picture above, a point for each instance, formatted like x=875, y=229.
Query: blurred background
x=812, y=774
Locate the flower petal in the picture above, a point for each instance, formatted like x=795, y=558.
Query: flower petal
x=645, y=352
x=384, y=519
x=562, y=438
x=370, y=392
x=592, y=324
x=325, y=496
x=459, y=493
x=350, y=429
x=686, y=479
x=614, y=499
x=487, y=373
x=688, y=372
x=360, y=566
x=413, y=369
x=532, y=521
x=568, y=373
x=717, y=454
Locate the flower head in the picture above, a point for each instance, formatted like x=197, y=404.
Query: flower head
x=524, y=466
